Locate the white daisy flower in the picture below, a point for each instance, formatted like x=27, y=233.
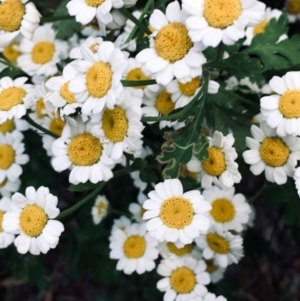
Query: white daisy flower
x=99, y=210
x=184, y=279
x=5, y=238
x=216, y=21
x=216, y=272
x=282, y=110
x=277, y=156
x=12, y=125
x=293, y=10
x=10, y=52
x=134, y=248
x=213, y=297
x=169, y=250
x=17, y=17
x=11, y=156
x=62, y=100
x=82, y=152
x=183, y=93
x=14, y=94
x=31, y=217
x=219, y=168
x=7, y=187
x=229, y=211
x=41, y=54
x=172, y=52
x=223, y=247
x=137, y=209
x=88, y=46
x=94, y=29
x=121, y=223
x=98, y=82
x=85, y=10
x=175, y=216
x=297, y=179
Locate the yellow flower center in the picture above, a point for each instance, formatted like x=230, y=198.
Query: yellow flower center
x=11, y=97
x=40, y=107
x=190, y=87
x=176, y=212
x=274, y=151
x=190, y=174
x=210, y=266
x=85, y=150
x=99, y=79
x=289, y=104
x=215, y=164
x=172, y=42
x=134, y=246
x=115, y=124
x=33, y=219
x=183, y=280
x=101, y=207
x=66, y=94
x=260, y=27
x=7, y=156
x=42, y=52
x=222, y=210
x=164, y=103
x=94, y=47
x=56, y=126
x=94, y=3
x=8, y=126
x=11, y=15
x=137, y=74
x=2, y=184
x=187, y=249
x=222, y=13
x=217, y=243
x=11, y=53
x=1, y=220
x=293, y=7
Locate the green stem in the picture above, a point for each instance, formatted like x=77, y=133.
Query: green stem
x=137, y=83
x=34, y=124
x=56, y=18
x=115, y=211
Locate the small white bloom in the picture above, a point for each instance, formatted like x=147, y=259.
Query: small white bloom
x=215, y=271
x=5, y=238
x=99, y=210
x=293, y=10
x=213, y=297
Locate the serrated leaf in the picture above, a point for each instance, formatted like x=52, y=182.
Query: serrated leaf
x=201, y=147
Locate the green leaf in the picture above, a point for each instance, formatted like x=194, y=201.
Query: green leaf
x=201, y=148
x=272, y=54
x=276, y=195
x=148, y=175
x=291, y=212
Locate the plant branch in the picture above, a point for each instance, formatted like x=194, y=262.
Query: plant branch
x=137, y=83
x=56, y=18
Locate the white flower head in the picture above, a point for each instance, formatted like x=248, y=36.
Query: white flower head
x=13, y=125
x=41, y=54
x=220, y=167
x=229, y=210
x=184, y=279
x=7, y=187
x=10, y=52
x=172, y=52
x=277, y=156
x=293, y=10
x=99, y=210
x=121, y=224
x=31, y=218
x=5, y=238
x=215, y=271
x=134, y=248
x=175, y=216
x=282, y=109
x=213, y=297
x=216, y=21
x=223, y=247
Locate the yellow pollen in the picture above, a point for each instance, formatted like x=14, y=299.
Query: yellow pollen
x=190, y=87
x=210, y=266
x=66, y=94
x=99, y=79
x=185, y=172
x=187, y=249
x=33, y=219
x=176, y=212
x=57, y=125
x=260, y=27
x=94, y=3
x=215, y=164
x=11, y=97
x=42, y=52
x=164, y=103
x=101, y=207
x=1, y=220
x=8, y=126
x=222, y=13
x=115, y=124
x=293, y=7
x=85, y=150
x=11, y=15
x=222, y=210
x=134, y=246
x=137, y=74
x=289, y=104
x=40, y=107
x=11, y=53
x=2, y=184
x=94, y=47
x=183, y=280
x=217, y=243
x=172, y=42
x=274, y=151
x=7, y=156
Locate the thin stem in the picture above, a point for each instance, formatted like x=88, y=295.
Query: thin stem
x=137, y=83
x=34, y=124
x=56, y=18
